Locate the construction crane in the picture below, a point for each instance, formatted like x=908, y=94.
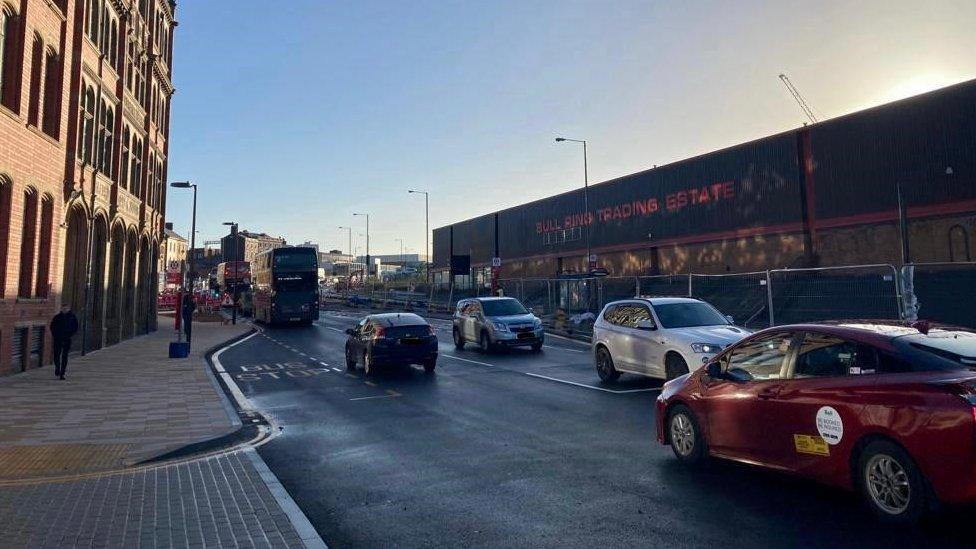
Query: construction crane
x=799, y=98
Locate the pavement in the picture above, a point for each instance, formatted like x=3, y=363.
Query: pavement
x=516, y=449
x=73, y=455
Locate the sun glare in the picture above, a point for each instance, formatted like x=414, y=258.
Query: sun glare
x=916, y=85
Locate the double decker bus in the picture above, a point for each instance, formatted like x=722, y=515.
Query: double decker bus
x=285, y=285
x=234, y=276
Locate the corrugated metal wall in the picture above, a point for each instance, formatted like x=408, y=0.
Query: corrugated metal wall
x=442, y=247
x=858, y=159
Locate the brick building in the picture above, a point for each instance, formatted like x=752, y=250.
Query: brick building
x=85, y=89
x=245, y=245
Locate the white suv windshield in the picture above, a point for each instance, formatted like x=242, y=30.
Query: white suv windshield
x=687, y=315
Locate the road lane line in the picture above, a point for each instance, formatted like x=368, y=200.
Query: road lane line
x=467, y=360
x=336, y=369
x=624, y=391
x=322, y=363
x=568, y=339
x=334, y=329
x=370, y=383
x=374, y=397
x=565, y=349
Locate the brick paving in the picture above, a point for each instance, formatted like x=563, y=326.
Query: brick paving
x=123, y=404
x=66, y=450
x=215, y=502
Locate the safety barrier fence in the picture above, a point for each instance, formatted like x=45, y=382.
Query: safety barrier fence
x=944, y=292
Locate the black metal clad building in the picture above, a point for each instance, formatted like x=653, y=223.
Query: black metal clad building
x=841, y=171
x=927, y=143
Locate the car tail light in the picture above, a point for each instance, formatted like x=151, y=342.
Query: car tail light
x=431, y=330
x=380, y=333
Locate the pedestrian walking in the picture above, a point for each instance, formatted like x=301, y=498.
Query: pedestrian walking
x=64, y=326
x=186, y=310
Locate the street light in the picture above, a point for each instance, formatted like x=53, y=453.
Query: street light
x=233, y=306
x=426, y=228
x=193, y=227
x=349, y=249
x=366, y=215
x=586, y=203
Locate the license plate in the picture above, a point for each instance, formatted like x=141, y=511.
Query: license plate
x=526, y=335
x=295, y=318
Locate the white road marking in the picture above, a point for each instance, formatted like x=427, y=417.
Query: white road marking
x=377, y=396
x=565, y=349
x=301, y=353
x=592, y=386
x=468, y=360
x=335, y=329
x=336, y=369
x=567, y=339
x=322, y=363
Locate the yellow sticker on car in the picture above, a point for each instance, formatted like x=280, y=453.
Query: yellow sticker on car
x=806, y=444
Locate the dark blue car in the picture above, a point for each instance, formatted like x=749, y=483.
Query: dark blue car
x=390, y=339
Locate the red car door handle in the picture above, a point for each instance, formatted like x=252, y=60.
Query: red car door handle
x=768, y=394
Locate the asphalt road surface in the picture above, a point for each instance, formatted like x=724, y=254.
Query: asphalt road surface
x=517, y=449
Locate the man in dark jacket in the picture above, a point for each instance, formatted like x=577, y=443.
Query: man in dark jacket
x=186, y=309
x=64, y=325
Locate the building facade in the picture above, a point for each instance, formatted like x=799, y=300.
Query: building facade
x=85, y=89
x=175, y=249
x=821, y=195
x=245, y=245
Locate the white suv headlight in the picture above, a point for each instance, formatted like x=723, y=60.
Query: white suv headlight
x=501, y=327
x=706, y=348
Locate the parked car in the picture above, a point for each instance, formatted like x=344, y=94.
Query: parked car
x=493, y=322
x=391, y=339
x=888, y=410
x=659, y=336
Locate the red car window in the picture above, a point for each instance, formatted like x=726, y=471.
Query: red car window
x=760, y=359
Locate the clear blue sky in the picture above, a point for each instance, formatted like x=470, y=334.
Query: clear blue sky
x=291, y=115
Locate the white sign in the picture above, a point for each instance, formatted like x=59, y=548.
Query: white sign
x=174, y=267
x=592, y=258
x=830, y=425
x=496, y=262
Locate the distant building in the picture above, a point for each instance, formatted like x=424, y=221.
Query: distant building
x=204, y=261
x=248, y=245
x=174, y=256
x=412, y=260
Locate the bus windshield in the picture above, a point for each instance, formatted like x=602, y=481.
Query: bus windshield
x=295, y=258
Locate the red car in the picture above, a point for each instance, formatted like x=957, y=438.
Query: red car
x=887, y=409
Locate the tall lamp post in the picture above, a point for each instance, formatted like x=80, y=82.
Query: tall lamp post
x=586, y=203
x=233, y=233
x=426, y=228
x=366, y=215
x=193, y=229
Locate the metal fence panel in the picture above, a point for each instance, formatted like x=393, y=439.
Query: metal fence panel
x=614, y=288
x=833, y=293
x=666, y=285
x=743, y=296
x=946, y=292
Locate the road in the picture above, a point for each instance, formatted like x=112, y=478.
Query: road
x=516, y=449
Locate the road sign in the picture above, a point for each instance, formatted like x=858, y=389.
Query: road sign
x=592, y=258
x=496, y=262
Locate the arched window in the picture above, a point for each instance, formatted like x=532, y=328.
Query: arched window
x=137, y=151
x=87, y=125
x=37, y=66
x=27, y=243
x=113, y=46
x=124, y=169
x=150, y=179
x=53, y=71
x=108, y=140
x=10, y=58
x=959, y=244
x=44, y=248
x=6, y=192
x=94, y=19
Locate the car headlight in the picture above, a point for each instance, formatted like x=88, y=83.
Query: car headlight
x=537, y=323
x=501, y=327
x=706, y=348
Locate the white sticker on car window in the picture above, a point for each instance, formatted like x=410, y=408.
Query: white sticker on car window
x=830, y=425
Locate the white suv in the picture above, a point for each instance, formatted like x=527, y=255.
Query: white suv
x=659, y=336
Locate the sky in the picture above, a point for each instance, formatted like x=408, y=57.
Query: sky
x=292, y=115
